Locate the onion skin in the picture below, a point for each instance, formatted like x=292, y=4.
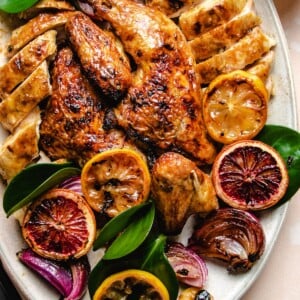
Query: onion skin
x=52, y=271
x=189, y=267
x=231, y=235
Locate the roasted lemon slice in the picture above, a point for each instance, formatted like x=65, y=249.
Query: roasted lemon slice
x=132, y=284
x=115, y=180
x=235, y=107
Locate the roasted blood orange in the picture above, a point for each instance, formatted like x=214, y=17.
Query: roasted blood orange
x=250, y=175
x=235, y=107
x=115, y=180
x=132, y=284
x=59, y=225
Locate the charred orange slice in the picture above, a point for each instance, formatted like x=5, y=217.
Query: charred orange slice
x=132, y=284
x=59, y=225
x=235, y=107
x=115, y=180
x=250, y=175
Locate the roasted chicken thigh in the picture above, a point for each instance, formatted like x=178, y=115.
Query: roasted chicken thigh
x=162, y=107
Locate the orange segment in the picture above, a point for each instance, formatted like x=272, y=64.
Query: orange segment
x=250, y=175
x=115, y=180
x=132, y=284
x=59, y=225
x=235, y=107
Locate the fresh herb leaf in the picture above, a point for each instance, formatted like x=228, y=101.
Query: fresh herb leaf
x=133, y=235
x=116, y=225
x=32, y=182
x=287, y=142
x=16, y=6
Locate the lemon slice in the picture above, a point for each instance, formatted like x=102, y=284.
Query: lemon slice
x=115, y=180
x=235, y=107
x=132, y=284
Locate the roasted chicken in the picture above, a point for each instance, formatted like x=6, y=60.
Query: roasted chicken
x=73, y=122
x=162, y=107
x=101, y=56
x=180, y=189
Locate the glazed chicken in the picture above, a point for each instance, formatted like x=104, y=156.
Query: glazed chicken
x=180, y=189
x=73, y=124
x=162, y=106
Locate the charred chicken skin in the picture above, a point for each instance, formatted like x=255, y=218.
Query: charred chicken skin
x=162, y=105
x=101, y=58
x=72, y=124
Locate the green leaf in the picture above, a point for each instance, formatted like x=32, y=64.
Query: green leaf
x=116, y=225
x=133, y=235
x=32, y=182
x=287, y=142
x=16, y=6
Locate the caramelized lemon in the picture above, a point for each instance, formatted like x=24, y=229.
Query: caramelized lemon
x=132, y=284
x=115, y=180
x=235, y=107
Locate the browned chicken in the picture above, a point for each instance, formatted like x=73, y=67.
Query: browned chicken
x=180, y=189
x=101, y=58
x=162, y=106
x=72, y=125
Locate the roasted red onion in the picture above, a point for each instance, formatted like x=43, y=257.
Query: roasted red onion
x=56, y=273
x=72, y=183
x=69, y=279
x=231, y=235
x=189, y=267
x=80, y=272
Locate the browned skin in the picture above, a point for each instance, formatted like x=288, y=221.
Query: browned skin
x=72, y=125
x=162, y=106
x=100, y=56
x=180, y=189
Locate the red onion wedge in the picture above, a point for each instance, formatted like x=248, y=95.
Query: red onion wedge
x=56, y=273
x=231, y=235
x=189, y=267
x=80, y=272
x=72, y=183
x=68, y=278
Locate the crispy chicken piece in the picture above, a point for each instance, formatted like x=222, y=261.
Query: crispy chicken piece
x=222, y=37
x=243, y=53
x=100, y=55
x=35, y=27
x=20, y=148
x=21, y=65
x=72, y=124
x=162, y=107
x=207, y=15
x=15, y=107
x=44, y=6
x=180, y=189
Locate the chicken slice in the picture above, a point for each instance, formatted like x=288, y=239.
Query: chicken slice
x=20, y=148
x=224, y=36
x=21, y=65
x=73, y=123
x=17, y=105
x=100, y=56
x=162, y=107
x=207, y=15
x=169, y=7
x=44, y=6
x=246, y=51
x=35, y=27
x=180, y=189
